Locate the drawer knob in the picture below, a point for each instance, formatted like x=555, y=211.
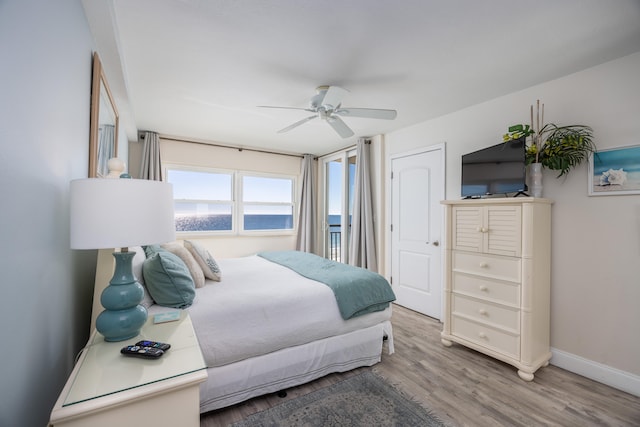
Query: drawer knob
x=483, y=312
x=482, y=335
x=484, y=265
x=484, y=288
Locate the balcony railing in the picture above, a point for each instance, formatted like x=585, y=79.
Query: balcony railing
x=335, y=242
x=334, y=245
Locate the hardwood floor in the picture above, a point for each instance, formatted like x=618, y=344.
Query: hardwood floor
x=466, y=388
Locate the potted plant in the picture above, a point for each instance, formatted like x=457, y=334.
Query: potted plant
x=553, y=147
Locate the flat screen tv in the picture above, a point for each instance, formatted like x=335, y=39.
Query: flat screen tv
x=499, y=169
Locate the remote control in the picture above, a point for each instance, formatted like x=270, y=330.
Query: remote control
x=162, y=346
x=146, y=352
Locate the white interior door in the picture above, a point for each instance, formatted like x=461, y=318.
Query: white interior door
x=416, y=220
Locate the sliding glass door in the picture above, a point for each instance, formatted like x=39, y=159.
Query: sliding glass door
x=339, y=175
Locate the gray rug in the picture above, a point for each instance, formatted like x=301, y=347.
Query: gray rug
x=362, y=400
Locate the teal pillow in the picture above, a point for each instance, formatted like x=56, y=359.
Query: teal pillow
x=152, y=249
x=168, y=279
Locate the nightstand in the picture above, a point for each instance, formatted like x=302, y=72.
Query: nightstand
x=107, y=388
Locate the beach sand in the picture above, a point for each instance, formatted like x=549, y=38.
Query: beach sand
x=632, y=184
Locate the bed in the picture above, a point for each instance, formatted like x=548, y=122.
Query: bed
x=265, y=327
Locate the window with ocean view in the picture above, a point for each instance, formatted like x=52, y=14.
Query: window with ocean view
x=202, y=200
x=267, y=203
x=231, y=201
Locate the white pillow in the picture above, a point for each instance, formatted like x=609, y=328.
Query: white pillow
x=205, y=260
x=194, y=268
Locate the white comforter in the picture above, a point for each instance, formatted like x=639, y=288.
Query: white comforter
x=260, y=307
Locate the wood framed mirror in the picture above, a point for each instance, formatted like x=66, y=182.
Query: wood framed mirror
x=103, y=138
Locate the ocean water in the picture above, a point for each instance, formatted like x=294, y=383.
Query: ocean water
x=217, y=222
x=258, y=222
x=334, y=222
x=224, y=222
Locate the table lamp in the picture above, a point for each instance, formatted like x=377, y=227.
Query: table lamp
x=119, y=213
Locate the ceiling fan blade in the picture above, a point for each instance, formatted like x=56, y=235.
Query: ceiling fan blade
x=339, y=126
x=334, y=96
x=370, y=113
x=285, y=108
x=298, y=123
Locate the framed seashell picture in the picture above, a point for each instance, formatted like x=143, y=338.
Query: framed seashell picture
x=615, y=171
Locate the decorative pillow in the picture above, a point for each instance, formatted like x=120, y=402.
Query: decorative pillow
x=138, y=261
x=149, y=250
x=194, y=268
x=168, y=279
x=205, y=260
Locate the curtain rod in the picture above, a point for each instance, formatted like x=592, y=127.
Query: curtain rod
x=337, y=151
x=367, y=141
x=231, y=147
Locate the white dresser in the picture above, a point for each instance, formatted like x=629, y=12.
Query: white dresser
x=497, y=279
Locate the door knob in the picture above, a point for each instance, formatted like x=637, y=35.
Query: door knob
x=436, y=243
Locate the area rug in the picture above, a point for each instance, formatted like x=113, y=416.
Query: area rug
x=362, y=400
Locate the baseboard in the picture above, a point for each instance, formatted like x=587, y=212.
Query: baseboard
x=613, y=377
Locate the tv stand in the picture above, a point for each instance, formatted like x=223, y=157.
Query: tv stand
x=521, y=193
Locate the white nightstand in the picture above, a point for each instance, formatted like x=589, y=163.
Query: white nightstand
x=107, y=388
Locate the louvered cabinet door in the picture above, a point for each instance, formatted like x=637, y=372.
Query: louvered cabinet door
x=487, y=229
x=467, y=225
x=502, y=230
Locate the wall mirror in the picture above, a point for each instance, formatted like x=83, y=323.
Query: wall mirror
x=103, y=139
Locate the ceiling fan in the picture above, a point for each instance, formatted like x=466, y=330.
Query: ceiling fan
x=327, y=105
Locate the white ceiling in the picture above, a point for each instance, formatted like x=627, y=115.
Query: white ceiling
x=199, y=69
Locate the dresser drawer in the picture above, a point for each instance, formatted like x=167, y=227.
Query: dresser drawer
x=486, y=336
x=498, y=267
x=486, y=312
x=479, y=287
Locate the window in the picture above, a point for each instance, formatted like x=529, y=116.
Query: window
x=202, y=200
x=267, y=203
x=205, y=201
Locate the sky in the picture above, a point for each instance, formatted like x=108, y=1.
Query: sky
x=335, y=186
x=193, y=185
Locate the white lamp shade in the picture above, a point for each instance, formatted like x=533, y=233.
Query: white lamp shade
x=118, y=213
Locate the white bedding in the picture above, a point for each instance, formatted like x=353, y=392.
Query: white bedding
x=233, y=322
x=271, y=372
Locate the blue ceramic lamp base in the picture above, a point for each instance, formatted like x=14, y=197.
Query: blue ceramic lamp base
x=123, y=316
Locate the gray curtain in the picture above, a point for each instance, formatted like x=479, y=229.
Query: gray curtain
x=307, y=219
x=151, y=166
x=362, y=247
x=106, y=148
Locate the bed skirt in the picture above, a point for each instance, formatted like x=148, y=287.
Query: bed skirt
x=289, y=367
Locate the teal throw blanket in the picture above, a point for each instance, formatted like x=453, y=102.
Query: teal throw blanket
x=358, y=291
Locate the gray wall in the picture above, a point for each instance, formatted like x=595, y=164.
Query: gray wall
x=45, y=87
